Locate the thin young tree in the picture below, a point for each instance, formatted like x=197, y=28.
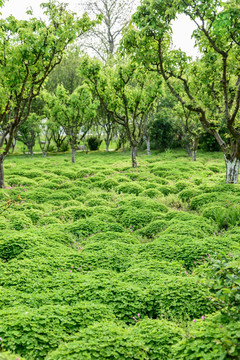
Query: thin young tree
x=73, y=112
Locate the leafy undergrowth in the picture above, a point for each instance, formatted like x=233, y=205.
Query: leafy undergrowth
x=102, y=261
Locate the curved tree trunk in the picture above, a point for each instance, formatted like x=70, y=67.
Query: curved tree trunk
x=232, y=170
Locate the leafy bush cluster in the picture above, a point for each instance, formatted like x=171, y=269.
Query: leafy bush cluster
x=106, y=262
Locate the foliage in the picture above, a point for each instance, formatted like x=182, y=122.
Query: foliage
x=94, y=143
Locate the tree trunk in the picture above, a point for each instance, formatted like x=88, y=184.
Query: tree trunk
x=123, y=146
x=194, y=150
x=194, y=155
x=148, y=146
x=188, y=148
x=30, y=149
x=44, y=154
x=232, y=169
x=107, y=146
x=2, y=186
x=134, y=155
x=73, y=152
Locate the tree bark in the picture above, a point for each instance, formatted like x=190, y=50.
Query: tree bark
x=30, y=149
x=194, y=155
x=123, y=146
x=2, y=185
x=232, y=170
x=148, y=146
x=134, y=155
x=44, y=154
x=73, y=152
x=188, y=148
x=194, y=150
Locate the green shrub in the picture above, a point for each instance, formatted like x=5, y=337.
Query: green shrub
x=153, y=228
x=73, y=213
x=110, y=236
x=8, y=356
x=189, y=194
x=129, y=189
x=104, y=340
x=19, y=221
x=225, y=217
x=91, y=226
x=108, y=184
x=136, y=219
x=207, y=198
x=209, y=339
x=35, y=332
x=158, y=336
x=94, y=143
x=151, y=193
x=178, y=298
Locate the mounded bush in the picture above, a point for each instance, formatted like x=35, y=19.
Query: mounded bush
x=178, y=298
x=209, y=339
x=151, y=193
x=104, y=340
x=7, y=356
x=19, y=221
x=158, y=336
x=154, y=228
x=91, y=226
x=110, y=236
x=136, y=218
x=225, y=217
x=35, y=332
x=129, y=188
x=189, y=194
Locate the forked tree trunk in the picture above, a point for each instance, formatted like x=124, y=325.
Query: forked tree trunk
x=2, y=185
x=232, y=170
x=73, y=152
x=134, y=155
x=123, y=146
x=148, y=146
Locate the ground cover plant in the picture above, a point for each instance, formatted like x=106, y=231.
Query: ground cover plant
x=102, y=261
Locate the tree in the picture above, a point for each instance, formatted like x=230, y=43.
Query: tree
x=73, y=112
x=104, y=38
x=28, y=132
x=215, y=94
x=44, y=136
x=106, y=121
x=29, y=51
x=66, y=72
x=128, y=92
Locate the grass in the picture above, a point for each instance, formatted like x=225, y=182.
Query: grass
x=99, y=260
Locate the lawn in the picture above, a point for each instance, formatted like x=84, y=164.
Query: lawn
x=102, y=261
